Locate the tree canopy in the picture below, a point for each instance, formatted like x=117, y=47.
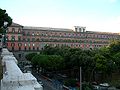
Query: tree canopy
x=103, y=61
x=4, y=17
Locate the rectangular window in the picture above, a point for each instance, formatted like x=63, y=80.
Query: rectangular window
x=19, y=38
x=28, y=33
x=12, y=38
x=33, y=34
x=25, y=44
x=24, y=39
x=33, y=44
x=33, y=39
x=19, y=44
x=28, y=39
x=12, y=44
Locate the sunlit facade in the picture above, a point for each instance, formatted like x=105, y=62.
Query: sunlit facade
x=35, y=38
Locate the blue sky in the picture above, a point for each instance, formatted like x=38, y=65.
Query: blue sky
x=95, y=15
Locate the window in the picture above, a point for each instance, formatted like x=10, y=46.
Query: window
x=80, y=29
x=19, y=44
x=37, y=48
x=19, y=48
x=12, y=48
x=33, y=39
x=28, y=39
x=12, y=44
x=12, y=38
x=33, y=48
x=76, y=29
x=33, y=44
x=46, y=34
x=33, y=34
x=28, y=33
x=23, y=33
x=7, y=38
x=29, y=48
x=37, y=33
x=25, y=48
x=19, y=30
x=24, y=39
x=29, y=44
x=25, y=44
x=37, y=39
x=13, y=30
x=19, y=38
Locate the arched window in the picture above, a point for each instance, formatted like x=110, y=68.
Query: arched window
x=13, y=30
x=19, y=30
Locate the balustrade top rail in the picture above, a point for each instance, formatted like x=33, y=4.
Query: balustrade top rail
x=13, y=77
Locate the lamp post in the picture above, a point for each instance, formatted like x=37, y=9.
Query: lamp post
x=4, y=34
x=80, y=78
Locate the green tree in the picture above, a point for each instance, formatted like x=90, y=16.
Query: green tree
x=30, y=56
x=48, y=62
x=104, y=63
x=4, y=17
x=117, y=60
x=114, y=47
x=100, y=61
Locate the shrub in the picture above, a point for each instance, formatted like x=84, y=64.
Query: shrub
x=30, y=56
x=70, y=82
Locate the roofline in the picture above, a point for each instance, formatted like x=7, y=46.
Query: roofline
x=47, y=29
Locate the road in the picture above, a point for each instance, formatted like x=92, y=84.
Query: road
x=47, y=85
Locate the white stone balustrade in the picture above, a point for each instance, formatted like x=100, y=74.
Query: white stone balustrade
x=13, y=77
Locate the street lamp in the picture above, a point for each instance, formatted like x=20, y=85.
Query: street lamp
x=4, y=33
x=80, y=78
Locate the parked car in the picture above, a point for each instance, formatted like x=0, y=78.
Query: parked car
x=104, y=86
x=40, y=82
x=95, y=87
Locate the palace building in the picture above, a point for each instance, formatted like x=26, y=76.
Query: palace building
x=24, y=38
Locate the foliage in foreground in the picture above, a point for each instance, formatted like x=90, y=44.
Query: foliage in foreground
x=66, y=60
x=4, y=17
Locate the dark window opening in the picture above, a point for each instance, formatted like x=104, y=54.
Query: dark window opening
x=12, y=48
x=37, y=48
x=25, y=48
x=33, y=48
x=19, y=48
x=29, y=48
